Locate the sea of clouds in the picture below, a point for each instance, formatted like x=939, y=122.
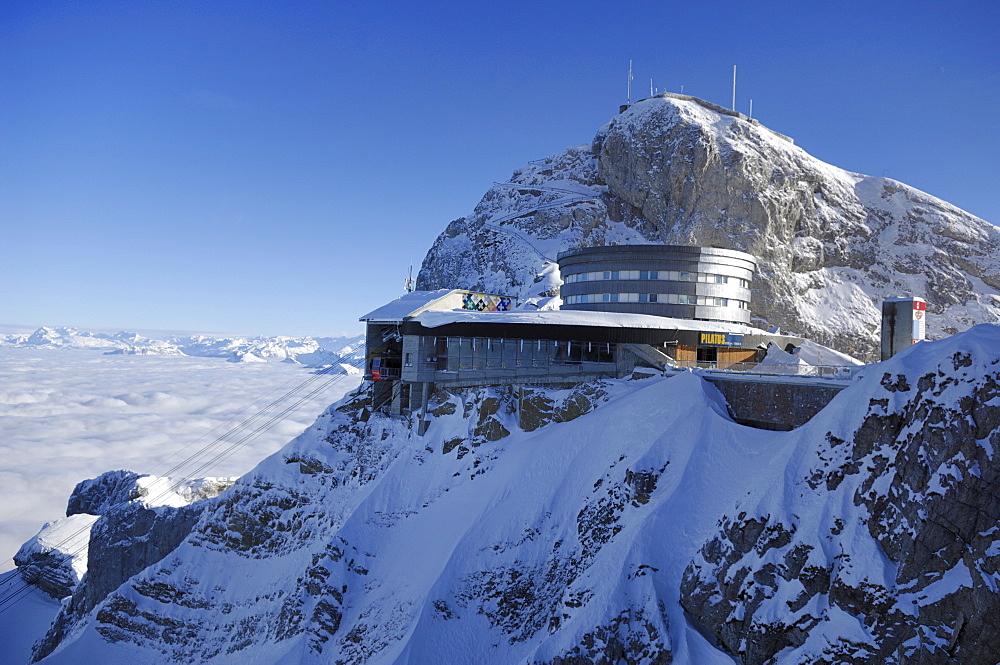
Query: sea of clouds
x=71, y=414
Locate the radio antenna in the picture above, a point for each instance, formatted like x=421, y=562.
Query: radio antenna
x=629, y=98
x=734, y=88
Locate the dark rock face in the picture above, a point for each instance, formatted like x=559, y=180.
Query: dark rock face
x=922, y=474
x=97, y=495
x=51, y=571
x=129, y=538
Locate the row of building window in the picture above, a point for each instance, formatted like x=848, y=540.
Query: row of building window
x=669, y=275
x=661, y=298
x=460, y=353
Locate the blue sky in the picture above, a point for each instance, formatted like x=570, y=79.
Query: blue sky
x=274, y=168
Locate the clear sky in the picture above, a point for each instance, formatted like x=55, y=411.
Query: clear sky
x=275, y=167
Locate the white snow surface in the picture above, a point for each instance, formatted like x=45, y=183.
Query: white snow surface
x=67, y=536
x=433, y=319
x=421, y=546
x=302, y=350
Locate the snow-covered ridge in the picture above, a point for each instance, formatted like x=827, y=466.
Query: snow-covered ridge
x=55, y=559
x=302, y=350
x=619, y=521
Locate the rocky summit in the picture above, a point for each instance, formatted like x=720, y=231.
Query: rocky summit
x=677, y=170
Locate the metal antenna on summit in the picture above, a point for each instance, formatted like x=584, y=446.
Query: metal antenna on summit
x=629, y=98
x=408, y=284
x=734, y=88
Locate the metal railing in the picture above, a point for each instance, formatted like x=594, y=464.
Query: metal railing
x=841, y=372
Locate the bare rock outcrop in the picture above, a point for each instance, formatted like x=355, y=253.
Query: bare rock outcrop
x=831, y=244
x=920, y=475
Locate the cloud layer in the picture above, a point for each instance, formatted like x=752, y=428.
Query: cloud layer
x=71, y=414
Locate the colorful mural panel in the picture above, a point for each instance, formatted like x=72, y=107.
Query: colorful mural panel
x=482, y=302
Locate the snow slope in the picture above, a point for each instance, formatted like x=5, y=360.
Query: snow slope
x=618, y=520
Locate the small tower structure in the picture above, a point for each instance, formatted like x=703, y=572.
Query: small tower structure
x=904, y=323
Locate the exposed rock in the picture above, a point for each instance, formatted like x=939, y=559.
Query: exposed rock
x=97, y=495
x=921, y=468
x=56, y=558
x=648, y=530
x=831, y=244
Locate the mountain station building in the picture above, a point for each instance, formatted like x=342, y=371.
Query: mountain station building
x=623, y=306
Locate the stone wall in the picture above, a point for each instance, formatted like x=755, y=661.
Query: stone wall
x=773, y=405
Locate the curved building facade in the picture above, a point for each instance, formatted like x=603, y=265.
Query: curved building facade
x=701, y=283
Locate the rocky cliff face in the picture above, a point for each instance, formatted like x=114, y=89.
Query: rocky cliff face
x=115, y=525
x=831, y=244
x=621, y=521
x=912, y=489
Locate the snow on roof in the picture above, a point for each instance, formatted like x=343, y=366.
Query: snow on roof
x=405, y=305
x=434, y=319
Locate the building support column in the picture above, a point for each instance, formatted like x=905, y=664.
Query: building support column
x=425, y=391
x=397, y=398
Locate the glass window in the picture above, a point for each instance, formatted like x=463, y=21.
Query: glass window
x=493, y=353
x=508, y=352
x=464, y=354
x=478, y=353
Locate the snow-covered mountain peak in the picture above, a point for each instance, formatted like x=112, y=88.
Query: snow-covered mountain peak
x=831, y=244
x=303, y=350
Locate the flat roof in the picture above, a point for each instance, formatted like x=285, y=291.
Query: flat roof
x=657, y=251
x=405, y=305
x=437, y=318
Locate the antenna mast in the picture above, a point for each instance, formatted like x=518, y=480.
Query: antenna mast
x=629, y=99
x=751, y=109
x=734, y=87
x=408, y=284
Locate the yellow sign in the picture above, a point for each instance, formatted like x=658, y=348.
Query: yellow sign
x=721, y=339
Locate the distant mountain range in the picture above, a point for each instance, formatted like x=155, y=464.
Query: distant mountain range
x=311, y=351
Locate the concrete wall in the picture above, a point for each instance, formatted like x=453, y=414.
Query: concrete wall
x=771, y=404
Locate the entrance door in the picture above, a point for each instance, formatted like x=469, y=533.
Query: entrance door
x=708, y=354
